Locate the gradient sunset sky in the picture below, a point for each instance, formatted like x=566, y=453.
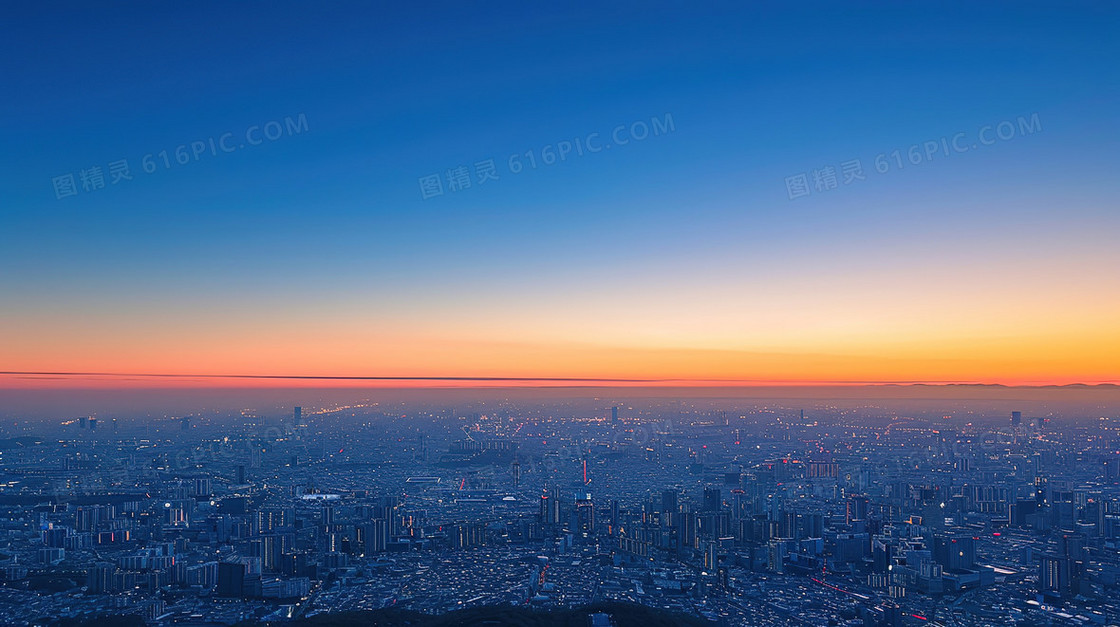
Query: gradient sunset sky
x=679, y=256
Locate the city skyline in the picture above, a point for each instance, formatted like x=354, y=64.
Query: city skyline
x=627, y=314
x=433, y=506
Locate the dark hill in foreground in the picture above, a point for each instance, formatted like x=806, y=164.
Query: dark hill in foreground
x=623, y=614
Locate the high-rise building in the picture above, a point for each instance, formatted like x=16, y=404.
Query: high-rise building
x=713, y=500
x=711, y=557
x=614, y=415
x=1059, y=576
x=374, y=536
x=201, y=487
x=99, y=578
x=776, y=551
x=231, y=579
x=858, y=505
x=723, y=578
x=268, y=549
x=550, y=508
x=955, y=553
x=669, y=501
x=584, y=513
x=465, y=535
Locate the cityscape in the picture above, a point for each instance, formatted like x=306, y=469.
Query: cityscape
x=732, y=511
x=573, y=314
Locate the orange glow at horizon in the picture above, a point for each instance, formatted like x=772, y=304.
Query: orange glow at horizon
x=826, y=329
x=1042, y=361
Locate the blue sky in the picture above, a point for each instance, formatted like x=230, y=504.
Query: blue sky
x=391, y=93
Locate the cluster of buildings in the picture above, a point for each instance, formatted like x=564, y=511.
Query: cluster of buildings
x=757, y=515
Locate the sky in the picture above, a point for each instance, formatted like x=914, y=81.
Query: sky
x=749, y=192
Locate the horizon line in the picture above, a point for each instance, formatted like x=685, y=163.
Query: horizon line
x=524, y=379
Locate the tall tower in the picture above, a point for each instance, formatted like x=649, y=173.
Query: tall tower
x=857, y=509
x=669, y=501
x=585, y=512
x=713, y=500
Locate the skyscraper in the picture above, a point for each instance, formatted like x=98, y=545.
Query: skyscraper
x=99, y=577
x=955, y=553
x=374, y=536
x=585, y=513
x=1059, y=576
x=550, y=508
x=669, y=501
x=857, y=508
x=711, y=557
x=231, y=579
x=713, y=500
